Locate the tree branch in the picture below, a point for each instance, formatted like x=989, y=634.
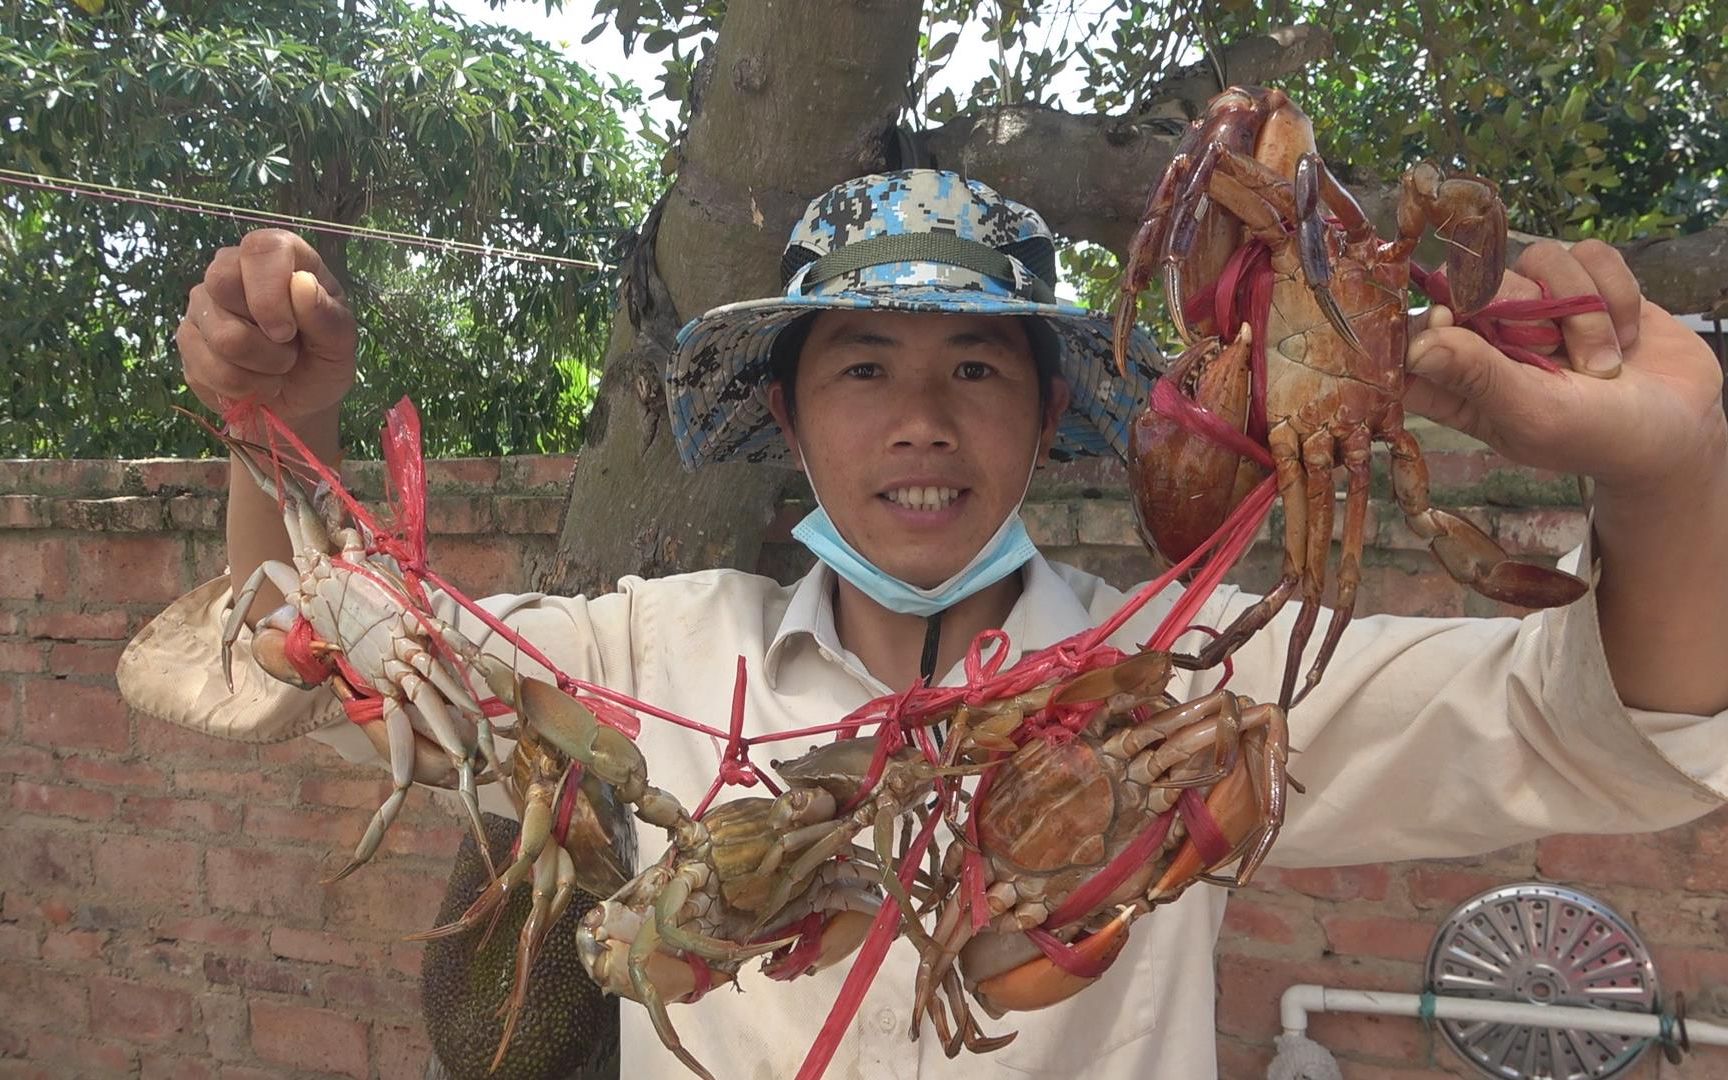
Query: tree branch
x=1090, y=176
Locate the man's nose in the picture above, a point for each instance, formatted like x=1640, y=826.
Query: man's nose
x=922, y=418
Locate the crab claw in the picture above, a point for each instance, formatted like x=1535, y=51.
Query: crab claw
x=1041, y=982
x=1236, y=810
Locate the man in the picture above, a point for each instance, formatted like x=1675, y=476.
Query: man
x=917, y=369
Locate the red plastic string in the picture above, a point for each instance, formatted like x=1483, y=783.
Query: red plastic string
x=801, y=954
x=1203, y=830
x=1084, y=900
x=297, y=647
x=569, y=790
x=1067, y=955
x=870, y=955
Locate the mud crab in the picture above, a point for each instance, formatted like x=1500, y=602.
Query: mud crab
x=1294, y=311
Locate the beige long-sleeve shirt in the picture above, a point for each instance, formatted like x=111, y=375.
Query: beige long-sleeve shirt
x=1426, y=738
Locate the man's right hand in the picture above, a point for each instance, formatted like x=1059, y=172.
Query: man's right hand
x=268, y=323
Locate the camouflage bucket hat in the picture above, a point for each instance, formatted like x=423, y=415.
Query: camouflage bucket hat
x=915, y=240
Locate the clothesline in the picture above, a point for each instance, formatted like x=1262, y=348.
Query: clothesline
x=292, y=221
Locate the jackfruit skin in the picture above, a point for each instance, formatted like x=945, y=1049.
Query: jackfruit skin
x=568, y=1029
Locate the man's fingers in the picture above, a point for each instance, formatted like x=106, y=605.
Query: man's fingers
x=232, y=339
x=211, y=378
x=325, y=325
x=1592, y=344
x=268, y=259
x=1616, y=285
x=1459, y=362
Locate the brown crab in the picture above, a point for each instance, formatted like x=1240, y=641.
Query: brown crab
x=1262, y=248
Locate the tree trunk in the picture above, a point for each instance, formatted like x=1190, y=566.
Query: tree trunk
x=798, y=97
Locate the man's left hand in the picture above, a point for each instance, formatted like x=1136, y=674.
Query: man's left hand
x=1640, y=408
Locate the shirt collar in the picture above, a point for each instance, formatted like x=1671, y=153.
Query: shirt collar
x=1046, y=612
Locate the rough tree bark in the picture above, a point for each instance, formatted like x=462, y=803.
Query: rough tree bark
x=798, y=97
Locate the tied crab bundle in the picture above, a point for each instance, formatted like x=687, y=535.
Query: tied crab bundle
x=1018, y=923
x=1294, y=313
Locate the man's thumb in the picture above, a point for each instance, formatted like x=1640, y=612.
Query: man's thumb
x=1455, y=359
x=325, y=324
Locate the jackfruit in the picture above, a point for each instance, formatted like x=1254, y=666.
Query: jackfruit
x=568, y=1029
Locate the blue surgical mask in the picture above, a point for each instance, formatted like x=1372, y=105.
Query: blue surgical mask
x=1005, y=552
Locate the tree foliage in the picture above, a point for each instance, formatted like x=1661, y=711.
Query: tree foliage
x=383, y=114
x=1596, y=119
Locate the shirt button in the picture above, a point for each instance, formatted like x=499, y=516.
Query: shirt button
x=887, y=1021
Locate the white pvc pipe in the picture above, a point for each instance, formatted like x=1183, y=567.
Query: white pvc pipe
x=1303, y=998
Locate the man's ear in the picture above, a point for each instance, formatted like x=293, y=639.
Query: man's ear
x=1053, y=410
x=783, y=417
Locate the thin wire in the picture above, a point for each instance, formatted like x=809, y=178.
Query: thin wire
x=259, y=217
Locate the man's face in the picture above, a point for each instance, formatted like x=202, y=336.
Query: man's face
x=918, y=431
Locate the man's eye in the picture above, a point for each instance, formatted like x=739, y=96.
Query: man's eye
x=973, y=370
x=863, y=371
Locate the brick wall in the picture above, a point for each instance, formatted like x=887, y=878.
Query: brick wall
x=162, y=914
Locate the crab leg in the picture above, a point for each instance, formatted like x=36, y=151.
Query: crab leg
x=400, y=729
x=1356, y=465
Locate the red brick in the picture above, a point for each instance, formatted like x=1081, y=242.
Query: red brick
x=10, y=622
x=126, y=569
x=1619, y=860
x=177, y=475
x=447, y=473
x=139, y=1012
x=530, y=471
x=178, y=815
x=27, y=761
x=148, y=870
x=336, y=791
x=116, y=513
x=19, y=942
x=1238, y=1061
x=1392, y=939
x=239, y=783
x=61, y=800
x=36, y=998
x=250, y=974
x=158, y=739
x=25, y=512
x=325, y=828
x=35, y=568
x=479, y=566
x=26, y=657
x=388, y=899
x=74, y=946
x=310, y=1038
x=1706, y=854
x=101, y=624
x=90, y=1057
x=1388, y=1038
x=224, y=931
x=408, y=839
x=226, y=1028
x=1335, y=883
x=196, y=513
x=371, y=995
x=88, y=770
x=262, y=882
x=400, y=1053
x=75, y=715
x=174, y=1067
x=73, y=658
x=461, y=514
x=1434, y=885
x=538, y=514
x=314, y=946
x=1258, y=922
x=1249, y=987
